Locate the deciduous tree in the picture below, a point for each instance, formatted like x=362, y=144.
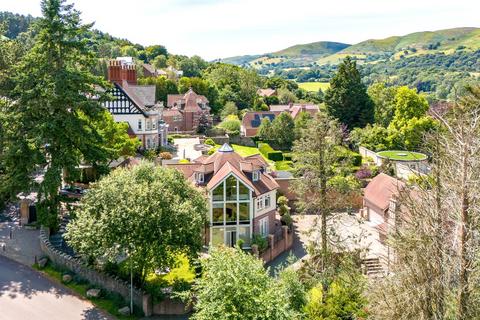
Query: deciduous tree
x=149, y=213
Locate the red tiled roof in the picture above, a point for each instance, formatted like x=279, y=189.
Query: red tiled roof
x=222, y=163
x=381, y=189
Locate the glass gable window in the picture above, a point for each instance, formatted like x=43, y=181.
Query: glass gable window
x=218, y=236
x=231, y=189
x=243, y=192
x=217, y=213
x=218, y=193
x=231, y=212
x=244, y=234
x=244, y=212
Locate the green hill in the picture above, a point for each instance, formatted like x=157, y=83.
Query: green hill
x=321, y=48
x=440, y=40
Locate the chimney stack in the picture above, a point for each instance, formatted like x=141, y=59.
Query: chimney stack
x=119, y=72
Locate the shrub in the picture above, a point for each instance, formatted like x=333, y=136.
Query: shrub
x=261, y=242
x=269, y=152
x=282, y=200
x=165, y=155
x=184, y=161
x=211, y=151
x=287, y=219
x=150, y=155
x=363, y=173
x=209, y=142
x=287, y=156
x=231, y=125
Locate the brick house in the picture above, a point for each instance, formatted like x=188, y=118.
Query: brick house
x=135, y=104
x=268, y=92
x=241, y=195
x=184, y=111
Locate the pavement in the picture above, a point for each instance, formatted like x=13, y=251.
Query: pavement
x=185, y=148
x=18, y=243
x=26, y=294
x=352, y=232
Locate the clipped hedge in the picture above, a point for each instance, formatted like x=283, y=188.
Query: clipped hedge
x=269, y=152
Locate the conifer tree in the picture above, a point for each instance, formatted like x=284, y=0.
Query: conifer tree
x=347, y=98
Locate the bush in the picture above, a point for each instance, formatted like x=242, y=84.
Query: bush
x=363, y=173
x=275, y=156
x=231, y=125
x=261, y=242
x=287, y=156
x=211, y=151
x=150, y=155
x=282, y=200
x=209, y=142
x=287, y=219
x=165, y=155
x=269, y=152
x=184, y=161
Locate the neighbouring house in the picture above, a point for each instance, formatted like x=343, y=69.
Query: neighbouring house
x=379, y=203
x=267, y=92
x=150, y=71
x=135, y=104
x=295, y=108
x=184, y=112
x=241, y=195
x=252, y=120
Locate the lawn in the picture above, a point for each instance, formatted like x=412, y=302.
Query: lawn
x=402, y=155
x=314, y=86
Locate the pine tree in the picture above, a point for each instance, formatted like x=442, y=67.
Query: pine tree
x=347, y=98
x=54, y=106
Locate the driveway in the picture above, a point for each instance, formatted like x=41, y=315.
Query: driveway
x=26, y=294
x=185, y=148
x=352, y=232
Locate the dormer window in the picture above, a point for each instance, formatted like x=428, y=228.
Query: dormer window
x=255, y=175
x=199, y=177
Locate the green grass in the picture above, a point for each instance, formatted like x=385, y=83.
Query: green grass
x=402, y=155
x=283, y=165
x=109, y=302
x=314, y=86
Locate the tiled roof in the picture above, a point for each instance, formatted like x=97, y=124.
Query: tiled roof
x=266, y=92
x=295, y=109
x=226, y=161
x=189, y=99
x=254, y=119
x=381, y=189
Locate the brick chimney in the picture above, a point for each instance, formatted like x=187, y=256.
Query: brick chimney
x=119, y=72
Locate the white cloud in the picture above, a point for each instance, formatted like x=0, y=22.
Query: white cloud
x=215, y=28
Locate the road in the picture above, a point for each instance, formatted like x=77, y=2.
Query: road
x=26, y=294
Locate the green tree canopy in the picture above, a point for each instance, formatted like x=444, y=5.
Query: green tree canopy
x=163, y=87
x=283, y=130
x=265, y=129
x=231, y=124
x=347, y=98
x=383, y=98
x=148, y=212
x=408, y=104
x=235, y=285
x=230, y=108
x=53, y=90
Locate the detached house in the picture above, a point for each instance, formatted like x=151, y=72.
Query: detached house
x=241, y=195
x=135, y=104
x=185, y=112
x=251, y=120
x=379, y=203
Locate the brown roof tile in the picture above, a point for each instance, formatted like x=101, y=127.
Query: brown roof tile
x=381, y=189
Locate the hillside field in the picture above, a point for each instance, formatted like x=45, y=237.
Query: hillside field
x=314, y=86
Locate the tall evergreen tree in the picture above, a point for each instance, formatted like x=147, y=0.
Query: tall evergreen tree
x=347, y=98
x=54, y=106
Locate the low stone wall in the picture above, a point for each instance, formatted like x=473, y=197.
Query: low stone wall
x=141, y=299
x=105, y=281
x=371, y=154
x=276, y=246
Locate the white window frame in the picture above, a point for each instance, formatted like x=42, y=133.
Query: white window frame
x=259, y=203
x=140, y=124
x=269, y=200
x=263, y=227
x=255, y=175
x=199, y=177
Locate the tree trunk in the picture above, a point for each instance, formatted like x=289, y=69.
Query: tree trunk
x=463, y=294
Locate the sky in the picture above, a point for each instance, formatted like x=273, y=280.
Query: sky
x=223, y=28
